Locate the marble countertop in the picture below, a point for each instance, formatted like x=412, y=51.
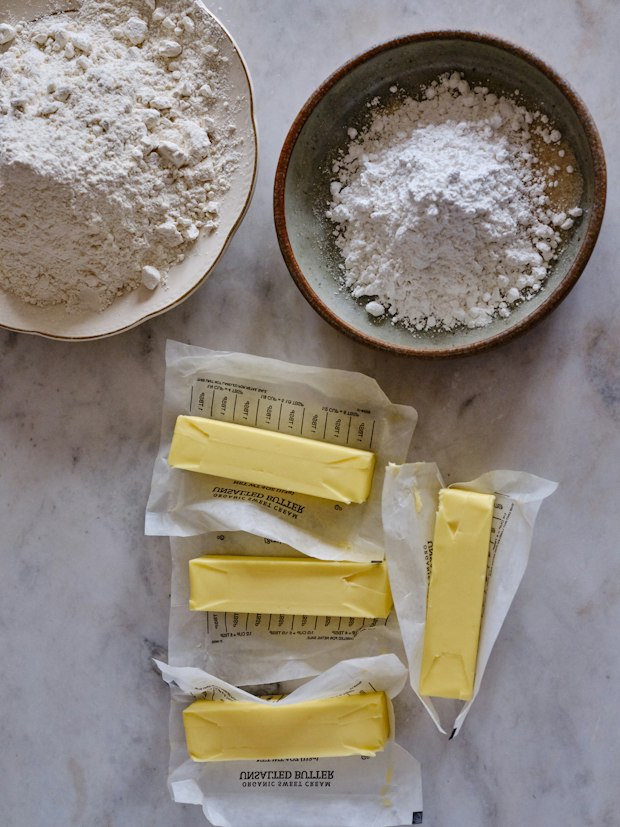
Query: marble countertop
x=84, y=595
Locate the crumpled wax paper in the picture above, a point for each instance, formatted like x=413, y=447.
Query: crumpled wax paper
x=380, y=791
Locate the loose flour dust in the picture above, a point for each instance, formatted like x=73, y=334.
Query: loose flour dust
x=116, y=144
x=445, y=214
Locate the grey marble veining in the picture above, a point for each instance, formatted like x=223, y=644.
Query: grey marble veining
x=84, y=595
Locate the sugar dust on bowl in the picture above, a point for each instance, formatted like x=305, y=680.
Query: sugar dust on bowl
x=127, y=160
x=439, y=194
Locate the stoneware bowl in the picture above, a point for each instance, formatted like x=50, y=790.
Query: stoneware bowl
x=133, y=308
x=320, y=131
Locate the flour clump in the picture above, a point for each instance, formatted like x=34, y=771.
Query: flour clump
x=112, y=160
x=443, y=212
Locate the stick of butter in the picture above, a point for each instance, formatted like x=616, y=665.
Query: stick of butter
x=289, y=586
x=307, y=466
x=329, y=727
x=456, y=593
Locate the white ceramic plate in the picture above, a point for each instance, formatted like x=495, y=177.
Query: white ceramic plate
x=183, y=279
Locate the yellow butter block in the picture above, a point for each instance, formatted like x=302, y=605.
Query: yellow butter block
x=456, y=593
x=289, y=586
x=239, y=731
x=307, y=466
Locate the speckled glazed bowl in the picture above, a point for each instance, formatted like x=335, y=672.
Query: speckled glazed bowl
x=320, y=131
x=141, y=304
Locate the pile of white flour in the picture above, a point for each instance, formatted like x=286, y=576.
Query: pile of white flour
x=115, y=145
x=442, y=211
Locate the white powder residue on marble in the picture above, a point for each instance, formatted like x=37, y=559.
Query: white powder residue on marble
x=116, y=144
x=442, y=211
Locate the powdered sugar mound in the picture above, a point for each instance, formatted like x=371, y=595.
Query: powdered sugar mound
x=442, y=214
x=116, y=143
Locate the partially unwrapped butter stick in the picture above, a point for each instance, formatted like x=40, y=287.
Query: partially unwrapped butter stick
x=270, y=458
x=289, y=586
x=323, y=728
x=455, y=557
x=460, y=554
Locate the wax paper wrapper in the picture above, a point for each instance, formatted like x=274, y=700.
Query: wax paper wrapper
x=249, y=648
x=410, y=500
x=318, y=403
x=380, y=791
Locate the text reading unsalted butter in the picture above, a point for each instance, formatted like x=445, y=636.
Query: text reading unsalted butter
x=289, y=586
x=456, y=593
x=329, y=727
x=307, y=466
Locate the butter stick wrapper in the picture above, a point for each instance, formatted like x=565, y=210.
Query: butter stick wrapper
x=381, y=787
x=265, y=645
x=290, y=452
x=410, y=502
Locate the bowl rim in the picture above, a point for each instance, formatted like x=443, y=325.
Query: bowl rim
x=246, y=204
x=583, y=253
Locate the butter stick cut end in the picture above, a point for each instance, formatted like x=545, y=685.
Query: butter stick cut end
x=289, y=586
x=456, y=593
x=272, y=459
x=330, y=727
